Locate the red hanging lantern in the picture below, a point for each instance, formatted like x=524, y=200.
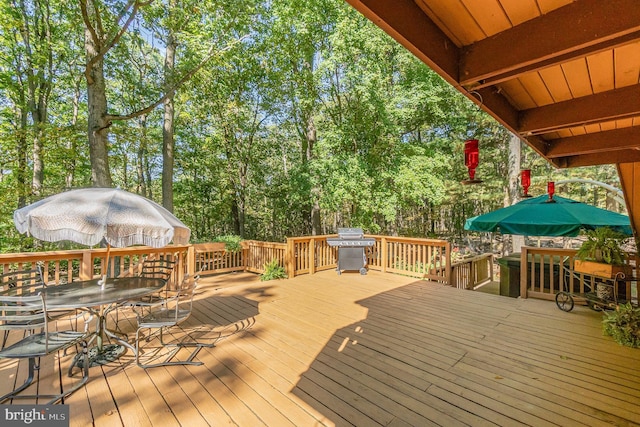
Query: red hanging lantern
x=525, y=180
x=471, y=160
x=551, y=188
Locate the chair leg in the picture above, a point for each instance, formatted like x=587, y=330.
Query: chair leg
x=85, y=375
x=168, y=359
x=55, y=397
x=27, y=383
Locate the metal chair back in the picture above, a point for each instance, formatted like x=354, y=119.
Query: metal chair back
x=21, y=281
x=29, y=313
x=161, y=268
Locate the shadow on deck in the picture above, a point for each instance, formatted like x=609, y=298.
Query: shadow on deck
x=379, y=349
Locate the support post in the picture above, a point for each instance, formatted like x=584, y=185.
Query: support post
x=383, y=254
x=191, y=261
x=290, y=259
x=448, y=269
x=312, y=256
x=86, y=268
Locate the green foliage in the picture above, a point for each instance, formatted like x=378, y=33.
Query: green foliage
x=603, y=245
x=231, y=243
x=302, y=104
x=273, y=271
x=623, y=325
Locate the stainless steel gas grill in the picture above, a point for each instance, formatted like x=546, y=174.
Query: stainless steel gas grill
x=351, y=244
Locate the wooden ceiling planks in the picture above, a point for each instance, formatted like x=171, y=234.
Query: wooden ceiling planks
x=489, y=15
x=577, y=77
x=454, y=20
x=519, y=11
x=627, y=65
x=556, y=82
x=601, y=71
x=536, y=88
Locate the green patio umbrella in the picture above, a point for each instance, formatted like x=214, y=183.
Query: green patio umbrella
x=537, y=217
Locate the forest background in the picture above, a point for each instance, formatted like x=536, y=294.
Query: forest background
x=260, y=119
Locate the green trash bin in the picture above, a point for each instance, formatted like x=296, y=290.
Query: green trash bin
x=510, y=275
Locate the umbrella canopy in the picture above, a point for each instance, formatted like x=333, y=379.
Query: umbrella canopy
x=536, y=217
x=89, y=215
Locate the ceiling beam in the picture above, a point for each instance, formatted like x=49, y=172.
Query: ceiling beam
x=577, y=29
x=600, y=142
x=605, y=106
x=611, y=157
x=408, y=25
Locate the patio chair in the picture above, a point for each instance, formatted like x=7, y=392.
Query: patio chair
x=156, y=268
x=25, y=282
x=161, y=268
x=174, y=311
x=29, y=313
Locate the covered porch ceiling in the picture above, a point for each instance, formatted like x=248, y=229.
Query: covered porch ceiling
x=563, y=75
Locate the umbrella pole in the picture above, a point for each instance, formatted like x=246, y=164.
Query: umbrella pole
x=103, y=280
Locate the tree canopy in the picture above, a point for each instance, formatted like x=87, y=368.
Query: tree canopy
x=262, y=119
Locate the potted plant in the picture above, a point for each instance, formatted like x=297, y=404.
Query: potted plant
x=623, y=325
x=601, y=254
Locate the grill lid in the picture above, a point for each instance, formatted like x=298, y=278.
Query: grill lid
x=350, y=233
x=350, y=237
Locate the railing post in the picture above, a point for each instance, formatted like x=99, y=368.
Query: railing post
x=86, y=268
x=490, y=259
x=447, y=273
x=247, y=256
x=290, y=260
x=523, y=272
x=312, y=256
x=383, y=254
x=191, y=261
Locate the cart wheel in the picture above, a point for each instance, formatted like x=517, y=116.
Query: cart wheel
x=564, y=301
x=339, y=272
x=363, y=271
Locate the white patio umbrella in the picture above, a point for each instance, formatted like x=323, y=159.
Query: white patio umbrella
x=89, y=215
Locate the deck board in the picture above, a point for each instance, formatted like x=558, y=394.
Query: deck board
x=379, y=349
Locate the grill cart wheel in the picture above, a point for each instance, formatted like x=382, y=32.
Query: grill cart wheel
x=363, y=271
x=564, y=301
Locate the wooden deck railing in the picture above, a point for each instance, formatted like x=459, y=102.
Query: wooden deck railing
x=545, y=271
x=66, y=266
x=471, y=272
x=423, y=258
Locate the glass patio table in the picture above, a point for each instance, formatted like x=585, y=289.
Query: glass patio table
x=98, y=299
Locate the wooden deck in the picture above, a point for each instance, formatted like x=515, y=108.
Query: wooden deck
x=369, y=350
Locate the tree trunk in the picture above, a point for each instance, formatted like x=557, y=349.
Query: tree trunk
x=38, y=162
x=98, y=127
x=311, y=138
x=168, y=128
x=36, y=36
x=21, y=174
x=142, y=155
x=71, y=143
